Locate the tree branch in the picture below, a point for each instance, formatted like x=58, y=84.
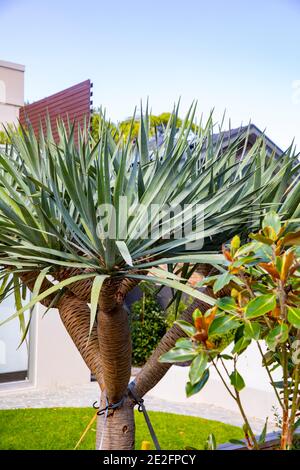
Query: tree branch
x=153, y=371
x=75, y=315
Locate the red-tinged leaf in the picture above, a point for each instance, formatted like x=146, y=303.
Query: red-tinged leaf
x=200, y=336
x=270, y=268
x=270, y=233
x=226, y=253
x=197, y=314
x=287, y=261
x=292, y=238
x=199, y=323
x=210, y=317
x=275, y=313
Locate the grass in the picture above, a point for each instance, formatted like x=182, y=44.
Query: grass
x=61, y=428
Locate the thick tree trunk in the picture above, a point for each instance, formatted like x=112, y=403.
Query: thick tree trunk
x=117, y=430
x=115, y=351
x=115, y=356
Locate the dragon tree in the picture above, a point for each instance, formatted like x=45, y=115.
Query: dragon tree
x=83, y=221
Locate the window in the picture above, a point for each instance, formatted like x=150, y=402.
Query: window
x=13, y=359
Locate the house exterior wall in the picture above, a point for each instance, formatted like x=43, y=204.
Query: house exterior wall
x=258, y=397
x=11, y=92
x=54, y=360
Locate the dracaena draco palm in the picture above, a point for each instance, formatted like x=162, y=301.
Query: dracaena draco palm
x=82, y=223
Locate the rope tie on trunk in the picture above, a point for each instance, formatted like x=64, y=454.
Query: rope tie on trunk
x=105, y=411
x=142, y=409
x=109, y=406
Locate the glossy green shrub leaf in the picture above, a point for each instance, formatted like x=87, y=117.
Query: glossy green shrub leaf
x=197, y=368
x=237, y=380
x=278, y=335
x=226, y=303
x=260, y=305
x=252, y=330
x=294, y=316
x=241, y=345
x=178, y=355
x=222, y=281
x=184, y=343
x=148, y=326
x=272, y=219
x=222, y=325
x=186, y=327
x=193, y=389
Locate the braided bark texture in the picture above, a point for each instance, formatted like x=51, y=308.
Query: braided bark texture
x=114, y=341
x=75, y=315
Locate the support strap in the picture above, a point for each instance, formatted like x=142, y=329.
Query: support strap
x=109, y=406
x=142, y=409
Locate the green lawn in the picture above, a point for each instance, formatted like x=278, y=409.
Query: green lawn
x=61, y=428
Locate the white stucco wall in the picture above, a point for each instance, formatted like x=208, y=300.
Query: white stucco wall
x=258, y=397
x=11, y=91
x=54, y=361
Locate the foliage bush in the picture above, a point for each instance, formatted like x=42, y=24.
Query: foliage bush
x=4, y=139
x=148, y=326
x=263, y=307
x=174, y=311
x=127, y=127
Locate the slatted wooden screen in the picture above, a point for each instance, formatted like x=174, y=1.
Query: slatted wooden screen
x=73, y=103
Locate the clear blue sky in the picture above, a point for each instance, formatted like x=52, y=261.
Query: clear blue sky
x=242, y=56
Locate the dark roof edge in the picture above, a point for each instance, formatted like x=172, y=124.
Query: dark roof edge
x=253, y=130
